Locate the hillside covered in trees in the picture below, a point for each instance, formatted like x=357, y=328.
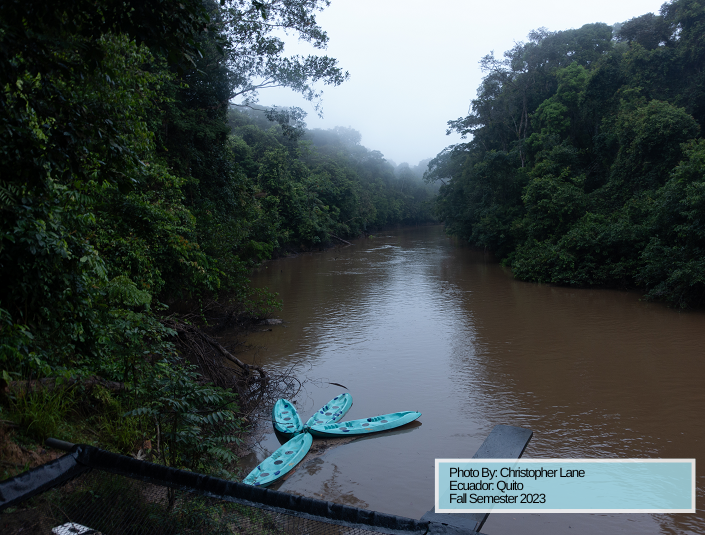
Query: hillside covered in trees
x=586, y=161
x=131, y=189
x=314, y=185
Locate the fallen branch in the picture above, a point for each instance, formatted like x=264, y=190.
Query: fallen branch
x=232, y=358
x=341, y=239
x=258, y=389
x=186, y=329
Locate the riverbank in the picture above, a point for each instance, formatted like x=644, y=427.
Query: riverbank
x=191, y=405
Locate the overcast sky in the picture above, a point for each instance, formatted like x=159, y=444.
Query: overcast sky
x=414, y=64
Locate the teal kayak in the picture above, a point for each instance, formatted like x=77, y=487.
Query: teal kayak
x=364, y=426
x=331, y=412
x=281, y=462
x=285, y=418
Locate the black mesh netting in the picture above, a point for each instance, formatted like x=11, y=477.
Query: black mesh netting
x=104, y=503
x=90, y=490
x=94, y=491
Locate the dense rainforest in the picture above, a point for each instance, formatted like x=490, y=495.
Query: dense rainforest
x=140, y=182
x=135, y=198
x=586, y=162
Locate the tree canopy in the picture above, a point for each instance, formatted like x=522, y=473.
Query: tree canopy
x=575, y=170
x=131, y=189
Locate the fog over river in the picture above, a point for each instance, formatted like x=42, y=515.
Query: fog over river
x=414, y=320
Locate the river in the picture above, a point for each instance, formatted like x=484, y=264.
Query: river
x=411, y=319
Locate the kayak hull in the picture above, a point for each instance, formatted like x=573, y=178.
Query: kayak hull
x=285, y=418
x=365, y=426
x=331, y=412
x=281, y=462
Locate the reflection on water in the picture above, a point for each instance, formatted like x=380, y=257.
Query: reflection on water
x=412, y=320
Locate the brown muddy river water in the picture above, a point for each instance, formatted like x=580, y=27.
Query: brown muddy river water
x=414, y=320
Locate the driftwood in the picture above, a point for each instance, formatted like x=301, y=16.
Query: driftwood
x=51, y=383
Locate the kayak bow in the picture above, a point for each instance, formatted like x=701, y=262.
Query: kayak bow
x=331, y=412
x=285, y=418
x=281, y=462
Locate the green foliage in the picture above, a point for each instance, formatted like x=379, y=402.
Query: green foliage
x=17, y=350
x=596, y=250
x=122, y=291
x=261, y=303
x=194, y=422
x=323, y=185
x=551, y=118
x=41, y=413
x=56, y=239
x=93, y=225
x=553, y=204
x=673, y=261
x=484, y=201
x=602, y=165
x=255, y=53
x=115, y=428
x=123, y=188
x=650, y=138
